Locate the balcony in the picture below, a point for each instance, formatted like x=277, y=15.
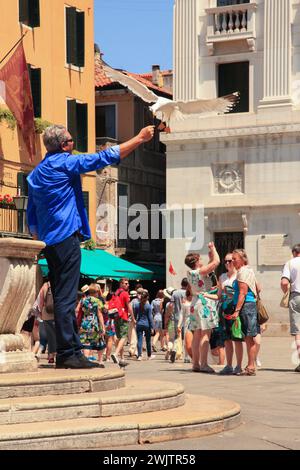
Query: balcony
x=12, y=223
x=231, y=23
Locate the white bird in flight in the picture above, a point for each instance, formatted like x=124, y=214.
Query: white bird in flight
x=168, y=110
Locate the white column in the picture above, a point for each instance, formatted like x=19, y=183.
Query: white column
x=185, y=52
x=277, y=53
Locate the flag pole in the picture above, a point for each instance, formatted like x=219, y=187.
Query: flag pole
x=21, y=39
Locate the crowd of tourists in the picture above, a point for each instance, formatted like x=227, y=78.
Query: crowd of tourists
x=206, y=321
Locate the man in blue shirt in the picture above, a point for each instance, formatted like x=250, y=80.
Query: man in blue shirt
x=56, y=215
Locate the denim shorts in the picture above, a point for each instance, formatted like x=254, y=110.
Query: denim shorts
x=248, y=316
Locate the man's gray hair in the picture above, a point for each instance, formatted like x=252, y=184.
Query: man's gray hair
x=53, y=137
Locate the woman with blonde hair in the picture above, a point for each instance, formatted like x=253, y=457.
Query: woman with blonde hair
x=244, y=300
x=203, y=311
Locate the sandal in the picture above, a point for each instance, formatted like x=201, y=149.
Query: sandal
x=207, y=370
x=249, y=372
x=196, y=369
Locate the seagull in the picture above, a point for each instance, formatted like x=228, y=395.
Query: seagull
x=169, y=110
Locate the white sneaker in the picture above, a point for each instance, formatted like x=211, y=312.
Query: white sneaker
x=151, y=357
x=258, y=363
x=139, y=358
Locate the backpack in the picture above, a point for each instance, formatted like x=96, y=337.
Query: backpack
x=49, y=306
x=115, y=308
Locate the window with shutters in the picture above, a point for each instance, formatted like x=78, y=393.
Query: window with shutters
x=106, y=121
x=22, y=183
x=29, y=12
x=235, y=77
x=86, y=200
x=36, y=89
x=78, y=124
x=225, y=3
x=75, y=36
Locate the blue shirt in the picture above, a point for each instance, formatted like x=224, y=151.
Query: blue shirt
x=55, y=204
x=250, y=297
x=143, y=317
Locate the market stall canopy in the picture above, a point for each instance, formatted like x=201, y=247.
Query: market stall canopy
x=99, y=263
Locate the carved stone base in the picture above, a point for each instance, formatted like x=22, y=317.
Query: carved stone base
x=17, y=361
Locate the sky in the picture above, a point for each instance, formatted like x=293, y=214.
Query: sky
x=135, y=34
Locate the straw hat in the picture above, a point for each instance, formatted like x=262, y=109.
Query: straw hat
x=133, y=293
x=85, y=288
x=101, y=281
x=168, y=292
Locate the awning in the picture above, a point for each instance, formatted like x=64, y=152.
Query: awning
x=159, y=270
x=99, y=263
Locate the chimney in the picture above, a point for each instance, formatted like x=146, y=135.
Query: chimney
x=157, y=78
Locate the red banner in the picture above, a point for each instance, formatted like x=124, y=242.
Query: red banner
x=18, y=96
x=172, y=270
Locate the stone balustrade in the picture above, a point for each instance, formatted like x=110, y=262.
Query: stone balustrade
x=233, y=22
x=18, y=279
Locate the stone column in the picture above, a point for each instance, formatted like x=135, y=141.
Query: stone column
x=186, y=54
x=277, y=53
x=18, y=274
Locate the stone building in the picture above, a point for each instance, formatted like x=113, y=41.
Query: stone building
x=243, y=166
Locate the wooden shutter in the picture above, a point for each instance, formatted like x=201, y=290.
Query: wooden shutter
x=72, y=120
x=24, y=11
x=82, y=127
x=71, y=29
x=34, y=13
x=22, y=183
x=36, y=90
x=86, y=200
x=80, y=37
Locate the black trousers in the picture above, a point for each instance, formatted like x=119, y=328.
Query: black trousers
x=64, y=273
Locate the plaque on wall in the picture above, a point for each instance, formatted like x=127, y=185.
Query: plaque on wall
x=274, y=250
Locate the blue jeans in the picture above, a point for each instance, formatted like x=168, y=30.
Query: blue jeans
x=139, y=331
x=64, y=273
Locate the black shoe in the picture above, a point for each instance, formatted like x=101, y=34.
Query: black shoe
x=122, y=363
x=73, y=362
x=88, y=364
x=173, y=356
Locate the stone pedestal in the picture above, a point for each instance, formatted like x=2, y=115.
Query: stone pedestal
x=18, y=274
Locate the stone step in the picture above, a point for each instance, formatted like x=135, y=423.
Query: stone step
x=136, y=397
x=199, y=416
x=60, y=382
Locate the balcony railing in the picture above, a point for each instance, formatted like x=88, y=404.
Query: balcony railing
x=12, y=222
x=229, y=23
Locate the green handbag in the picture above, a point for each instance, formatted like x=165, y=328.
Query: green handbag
x=236, y=329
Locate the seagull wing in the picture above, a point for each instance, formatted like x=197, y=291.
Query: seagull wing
x=217, y=105
x=131, y=83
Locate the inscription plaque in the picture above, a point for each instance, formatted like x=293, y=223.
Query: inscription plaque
x=274, y=250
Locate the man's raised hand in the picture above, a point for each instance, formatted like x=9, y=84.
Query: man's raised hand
x=147, y=133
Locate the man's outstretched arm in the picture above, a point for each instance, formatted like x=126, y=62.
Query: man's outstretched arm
x=144, y=135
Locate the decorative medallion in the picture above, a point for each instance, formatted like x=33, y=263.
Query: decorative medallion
x=228, y=178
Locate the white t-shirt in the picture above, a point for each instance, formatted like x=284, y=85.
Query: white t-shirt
x=291, y=271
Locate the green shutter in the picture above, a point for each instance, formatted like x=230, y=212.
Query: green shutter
x=82, y=127
x=36, y=90
x=22, y=183
x=86, y=200
x=80, y=39
x=24, y=11
x=71, y=29
x=72, y=120
x=34, y=13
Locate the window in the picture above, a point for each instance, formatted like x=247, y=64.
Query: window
x=224, y=3
x=78, y=124
x=36, y=89
x=235, y=77
x=29, y=12
x=22, y=183
x=106, y=121
x=75, y=35
x=86, y=200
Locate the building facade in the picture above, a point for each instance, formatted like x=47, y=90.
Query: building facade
x=243, y=167
x=140, y=179
x=59, y=50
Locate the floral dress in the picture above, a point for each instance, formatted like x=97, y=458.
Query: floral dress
x=203, y=311
x=90, y=331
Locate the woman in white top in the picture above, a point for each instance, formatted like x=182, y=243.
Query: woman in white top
x=225, y=295
x=203, y=311
x=184, y=320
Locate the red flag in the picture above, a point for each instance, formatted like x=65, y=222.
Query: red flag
x=18, y=96
x=172, y=270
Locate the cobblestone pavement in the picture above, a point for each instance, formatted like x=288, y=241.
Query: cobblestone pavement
x=270, y=401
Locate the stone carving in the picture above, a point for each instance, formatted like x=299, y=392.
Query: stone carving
x=18, y=274
x=228, y=178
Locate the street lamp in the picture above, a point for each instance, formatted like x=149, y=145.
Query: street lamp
x=21, y=203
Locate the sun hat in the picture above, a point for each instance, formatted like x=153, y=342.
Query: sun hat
x=133, y=293
x=85, y=288
x=168, y=292
x=101, y=281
